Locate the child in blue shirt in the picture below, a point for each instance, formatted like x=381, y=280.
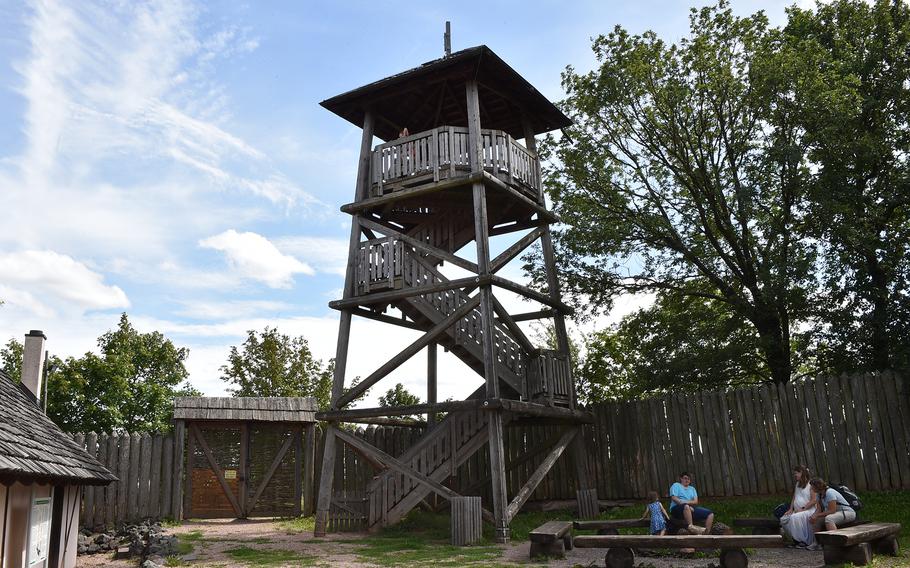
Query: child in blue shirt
x=658, y=515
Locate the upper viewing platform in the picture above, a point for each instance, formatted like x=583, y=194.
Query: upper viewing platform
x=442, y=153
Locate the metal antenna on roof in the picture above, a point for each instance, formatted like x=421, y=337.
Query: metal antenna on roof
x=447, y=38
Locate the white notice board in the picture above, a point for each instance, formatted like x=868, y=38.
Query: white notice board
x=39, y=538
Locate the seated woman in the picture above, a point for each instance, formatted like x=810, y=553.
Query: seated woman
x=833, y=510
x=795, y=521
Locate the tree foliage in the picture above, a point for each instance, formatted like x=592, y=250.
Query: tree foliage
x=273, y=364
x=858, y=139
x=398, y=396
x=129, y=385
x=682, y=174
x=754, y=179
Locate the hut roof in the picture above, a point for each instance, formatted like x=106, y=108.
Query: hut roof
x=34, y=449
x=261, y=409
x=433, y=95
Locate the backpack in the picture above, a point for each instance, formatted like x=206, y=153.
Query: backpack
x=849, y=495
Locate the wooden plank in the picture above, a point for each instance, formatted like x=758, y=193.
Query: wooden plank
x=675, y=541
x=88, y=503
x=886, y=459
x=799, y=421
x=737, y=474
x=219, y=474
x=710, y=460
x=758, y=439
x=813, y=430
x=825, y=426
x=144, y=475
x=864, y=427
x=841, y=441
x=179, y=482
x=154, y=496
x=858, y=472
x=167, y=477
x=897, y=421
x=787, y=431
x=743, y=438
x=110, y=492
x=298, y=470
x=132, y=484
x=860, y=533
x=531, y=484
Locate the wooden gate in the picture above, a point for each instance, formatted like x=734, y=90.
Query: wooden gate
x=246, y=456
x=240, y=470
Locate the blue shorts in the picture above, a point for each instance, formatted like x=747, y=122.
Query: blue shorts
x=698, y=513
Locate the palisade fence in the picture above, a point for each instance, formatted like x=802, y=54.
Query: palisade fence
x=853, y=430
x=848, y=429
x=147, y=486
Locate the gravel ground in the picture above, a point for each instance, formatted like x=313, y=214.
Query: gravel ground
x=339, y=551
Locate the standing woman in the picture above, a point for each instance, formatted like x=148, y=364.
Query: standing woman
x=833, y=510
x=795, y=521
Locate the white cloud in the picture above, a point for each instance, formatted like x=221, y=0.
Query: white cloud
x=46, y=278
x=253, y=256
x=232, y=309
x=329, y=255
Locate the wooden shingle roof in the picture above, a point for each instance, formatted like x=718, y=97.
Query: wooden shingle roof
x=261, y=409
x=33, y=449
x=432, y=95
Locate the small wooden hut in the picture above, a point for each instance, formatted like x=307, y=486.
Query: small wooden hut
x=42, y=472
x=246, y=456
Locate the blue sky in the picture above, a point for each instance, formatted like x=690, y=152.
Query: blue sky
x=170, y=159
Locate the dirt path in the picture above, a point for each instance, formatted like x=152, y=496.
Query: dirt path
x=222, y=544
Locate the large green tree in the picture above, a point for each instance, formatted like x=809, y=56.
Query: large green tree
x=273, y=364
x=129, y=384
x=685, y=174
x=858, y=139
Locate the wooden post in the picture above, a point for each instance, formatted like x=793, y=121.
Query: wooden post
x=482, y=238
x=344, y=331
x=190, y=465
x=431, y=384
x=298, y=470
x=178, y=479
x=309, y=465
x=466, y=520
x=243, y=475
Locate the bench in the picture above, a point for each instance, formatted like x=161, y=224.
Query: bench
x=612, y=526
x=771, y=525
x=551, y=539
x=732, y=555
x=856, y=544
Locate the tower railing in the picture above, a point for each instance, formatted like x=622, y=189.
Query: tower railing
x=442, y=153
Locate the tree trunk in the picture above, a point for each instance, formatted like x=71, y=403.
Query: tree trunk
x=775, y=347
x=879, y=340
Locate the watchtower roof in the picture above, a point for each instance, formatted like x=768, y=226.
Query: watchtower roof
x=428, y=96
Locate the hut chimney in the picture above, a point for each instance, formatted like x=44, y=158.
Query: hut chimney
x=33, y=356
x=447, y=39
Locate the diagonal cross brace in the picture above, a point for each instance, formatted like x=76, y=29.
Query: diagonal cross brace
x=373, y=453
x=408, y=352
x=525, y=492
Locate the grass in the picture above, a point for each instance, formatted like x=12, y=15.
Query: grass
x=268, y=557
x=298, y=524
x=422, y=539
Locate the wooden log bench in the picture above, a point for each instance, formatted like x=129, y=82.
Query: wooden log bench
x=612, y=526
x=771, y=525
x=856, y=544
x=732, y=555
x=551, y=539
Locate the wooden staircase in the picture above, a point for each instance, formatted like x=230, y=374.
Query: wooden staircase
x=440, y=452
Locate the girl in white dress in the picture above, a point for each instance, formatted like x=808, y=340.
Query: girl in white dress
x=795, y=521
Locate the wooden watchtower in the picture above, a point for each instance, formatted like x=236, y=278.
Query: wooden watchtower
x=459, y=176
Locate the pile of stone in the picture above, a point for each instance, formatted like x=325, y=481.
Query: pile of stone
x=145, y=541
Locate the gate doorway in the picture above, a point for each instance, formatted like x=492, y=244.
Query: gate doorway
x=247, y=457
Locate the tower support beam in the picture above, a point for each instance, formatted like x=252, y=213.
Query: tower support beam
x=324, y=500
